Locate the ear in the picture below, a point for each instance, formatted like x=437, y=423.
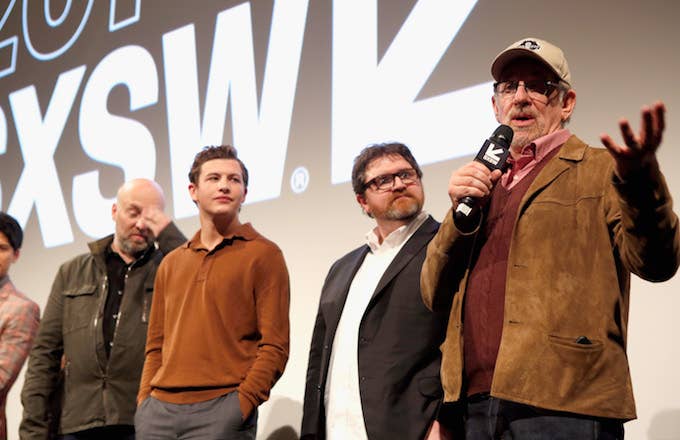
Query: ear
x=568, y=104
x=17, y=253
x=495, y=108
x=192, y=191
x=361, y=199
x=114, y=209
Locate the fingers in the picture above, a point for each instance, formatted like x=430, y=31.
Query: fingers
x=473, y=180
x=651, y=129
x=629, y=137
x=660, y=112
x=155, y=219
x=609, y=144
x=653, y=125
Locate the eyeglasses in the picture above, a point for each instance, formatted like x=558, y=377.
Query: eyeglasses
x=385, y=182
x=537, y=89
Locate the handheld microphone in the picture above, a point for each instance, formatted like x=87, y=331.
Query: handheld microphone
x=494, y=155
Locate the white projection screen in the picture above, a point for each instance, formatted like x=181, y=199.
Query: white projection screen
x=95, y=94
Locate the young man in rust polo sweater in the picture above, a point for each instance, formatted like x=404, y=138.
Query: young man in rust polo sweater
x=218, y=331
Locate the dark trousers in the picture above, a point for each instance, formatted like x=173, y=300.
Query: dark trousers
x=114, y=432
x=489, y=418
x=216, y=419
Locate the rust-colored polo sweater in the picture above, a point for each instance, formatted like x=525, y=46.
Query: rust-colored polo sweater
x=219, y=322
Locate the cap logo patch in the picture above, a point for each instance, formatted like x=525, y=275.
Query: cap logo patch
x=530, y=44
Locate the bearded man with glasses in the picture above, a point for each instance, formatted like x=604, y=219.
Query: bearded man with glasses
x=538, y=291
x=374, y=360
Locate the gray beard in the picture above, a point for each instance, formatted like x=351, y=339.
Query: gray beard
x=131, y=250
x=405, y=213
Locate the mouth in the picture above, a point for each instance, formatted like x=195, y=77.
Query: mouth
x=223, y=199
x=401, y=197
x=522, y=119
x=138, y=237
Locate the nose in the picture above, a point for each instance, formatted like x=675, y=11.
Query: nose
x=223, y=184
x=398, y=183
x=521, y=94
x=140, y=223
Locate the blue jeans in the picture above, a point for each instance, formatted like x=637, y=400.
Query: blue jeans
x=489, y=418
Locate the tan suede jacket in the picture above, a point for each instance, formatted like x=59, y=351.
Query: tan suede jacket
x=578, y=235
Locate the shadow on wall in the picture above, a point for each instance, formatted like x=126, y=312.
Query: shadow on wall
x=665, y=425
x=281, y=412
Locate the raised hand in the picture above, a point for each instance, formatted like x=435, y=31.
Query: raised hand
x=639, y=151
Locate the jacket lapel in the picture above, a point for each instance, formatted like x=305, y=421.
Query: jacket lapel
x=572, y=151
x=338, y=288
x=410, y=249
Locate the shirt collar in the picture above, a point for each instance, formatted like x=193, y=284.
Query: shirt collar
x=545, y=144
x=397, y=237
x=243, y=232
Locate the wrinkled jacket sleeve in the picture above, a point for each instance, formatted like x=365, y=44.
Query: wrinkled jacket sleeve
x=170, y=238
x=16, y=338
x=645, y=227
x=44, y=363
x=446, y=263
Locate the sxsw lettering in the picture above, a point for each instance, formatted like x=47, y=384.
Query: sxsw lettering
x=372, y=100
x=261, y=132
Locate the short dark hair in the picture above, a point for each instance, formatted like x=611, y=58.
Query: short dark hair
x=10, y=227
x=375, y=151
x=215, y=152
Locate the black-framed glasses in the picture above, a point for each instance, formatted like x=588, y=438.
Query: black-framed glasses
x=385, y=182
x=536, y=89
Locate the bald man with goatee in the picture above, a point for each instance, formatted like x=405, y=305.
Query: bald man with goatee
x=90, y=345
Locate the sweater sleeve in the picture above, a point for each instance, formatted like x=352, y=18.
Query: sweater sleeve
x=272, y=297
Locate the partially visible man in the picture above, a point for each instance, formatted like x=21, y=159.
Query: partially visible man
x=218, y=334
x=95, y=322
x=19, y=316
x=373, y=370
x=539, y=291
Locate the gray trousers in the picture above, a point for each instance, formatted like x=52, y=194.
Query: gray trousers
x=216, y=419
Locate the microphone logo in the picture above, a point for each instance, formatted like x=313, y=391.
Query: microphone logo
x=494, y=155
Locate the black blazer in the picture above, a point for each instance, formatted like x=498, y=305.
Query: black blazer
x=399, y=340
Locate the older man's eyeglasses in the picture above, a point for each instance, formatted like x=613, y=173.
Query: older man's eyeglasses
x=535, y=89
x=385, y=182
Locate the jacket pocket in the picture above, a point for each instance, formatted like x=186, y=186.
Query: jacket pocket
x=579, y=361
x=80, y=307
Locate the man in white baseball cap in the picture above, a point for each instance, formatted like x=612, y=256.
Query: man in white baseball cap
x=538, y=290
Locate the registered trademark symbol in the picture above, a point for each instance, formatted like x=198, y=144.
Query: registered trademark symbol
x=299, y=180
